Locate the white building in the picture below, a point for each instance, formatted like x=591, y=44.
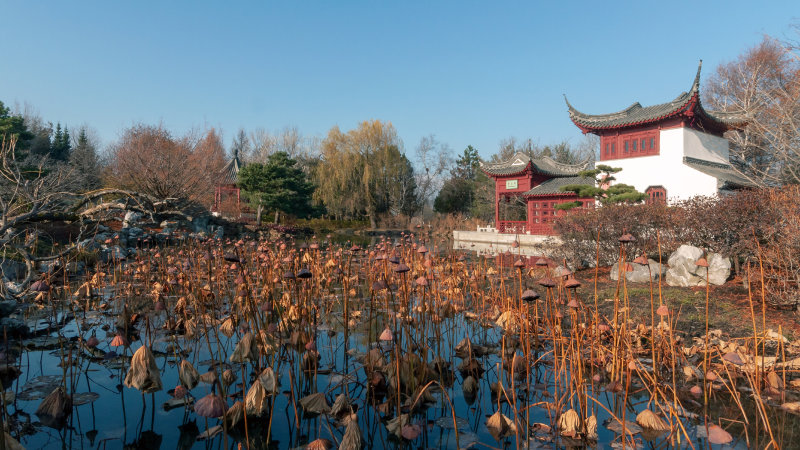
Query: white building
x=673, y=151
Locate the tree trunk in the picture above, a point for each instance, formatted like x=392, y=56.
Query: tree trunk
x=258, y=215
x=277, y=214
x=372, y=223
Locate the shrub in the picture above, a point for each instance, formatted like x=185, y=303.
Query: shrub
x=754, y=227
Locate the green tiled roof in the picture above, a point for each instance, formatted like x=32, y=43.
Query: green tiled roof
x=636, y=114
x=554, y=185
x=544, y=165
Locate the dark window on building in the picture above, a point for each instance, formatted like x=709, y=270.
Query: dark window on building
x=626, y=147
x=633, y=146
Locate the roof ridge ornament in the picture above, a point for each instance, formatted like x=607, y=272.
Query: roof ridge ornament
x=696, y=82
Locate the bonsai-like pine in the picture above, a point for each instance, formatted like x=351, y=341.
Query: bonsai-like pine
x=602, y=189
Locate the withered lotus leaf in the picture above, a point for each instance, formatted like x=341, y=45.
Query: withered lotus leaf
x=210, y=406
x=143, y=373
x=411, y=432
x=234, y=414
x=500, y=426
x=188, y=374
x=11, y=443
x=386, y=335
x=716, y=435
x=341, y=406
x=395, y=426
x=648, y=419
x=228, y=377
x=55, y=408
x=268, y=380
x=591, y=427
x=256, y=400
x=228, y=327
x=319, y=444
x=470, y=386
x=569, y=423
x=315, y=403
x=352, y=437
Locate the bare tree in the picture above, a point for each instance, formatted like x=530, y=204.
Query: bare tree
x=149, y=160
x=764, y=84
x=433, y=160
x=32, y=194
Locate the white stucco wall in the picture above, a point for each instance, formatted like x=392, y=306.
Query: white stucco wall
x=667, y=168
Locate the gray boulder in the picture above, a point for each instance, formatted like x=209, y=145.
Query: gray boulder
x=200, y=224
x=131, y=218
x=12, y=270
x=7, y=307
x=719, y=269
x=14, y=288
x=641, y=273
x=118, y=253
x=14, y=327
x=683, y=270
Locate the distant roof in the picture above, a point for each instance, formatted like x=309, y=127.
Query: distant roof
x=230, y=173
x=686, y=104
x=545, y=165
x=554, y=185
x=727, y=176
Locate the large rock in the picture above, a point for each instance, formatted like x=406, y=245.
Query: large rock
x=7, y=307
x=131, y=218
x=719, y=269
x=641, y=273
x=12, y=270
x=14, y=327
x=683, y=270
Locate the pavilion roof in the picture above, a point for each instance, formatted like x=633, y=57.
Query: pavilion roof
x=686, y=104
x=230, y=173
x=545, y=165
x=727, y=176
x=553, y=186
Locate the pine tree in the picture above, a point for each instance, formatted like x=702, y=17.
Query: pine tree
x=85, y=162
x=60, y=146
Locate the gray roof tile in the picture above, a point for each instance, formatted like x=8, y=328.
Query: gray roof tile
x=554, y=185
x=636, y=114
x=727, y=176
x=544, y=165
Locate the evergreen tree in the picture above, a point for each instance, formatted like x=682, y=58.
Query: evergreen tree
x=458, y=192
x=279, y=185
x=60, y=147
x=83, y=159
x=468, y=164
x=13, y=126
x=602, y=189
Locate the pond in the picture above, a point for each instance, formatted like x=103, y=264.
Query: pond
x=303, y=345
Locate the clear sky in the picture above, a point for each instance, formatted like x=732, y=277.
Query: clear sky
x=469, y=72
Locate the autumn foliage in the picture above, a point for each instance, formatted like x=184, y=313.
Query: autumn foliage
x=150, y=160
x=759, y=229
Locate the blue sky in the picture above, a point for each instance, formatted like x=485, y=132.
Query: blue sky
x=469, y=72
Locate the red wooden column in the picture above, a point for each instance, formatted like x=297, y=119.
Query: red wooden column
x=529, y=214
x=497, y=210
